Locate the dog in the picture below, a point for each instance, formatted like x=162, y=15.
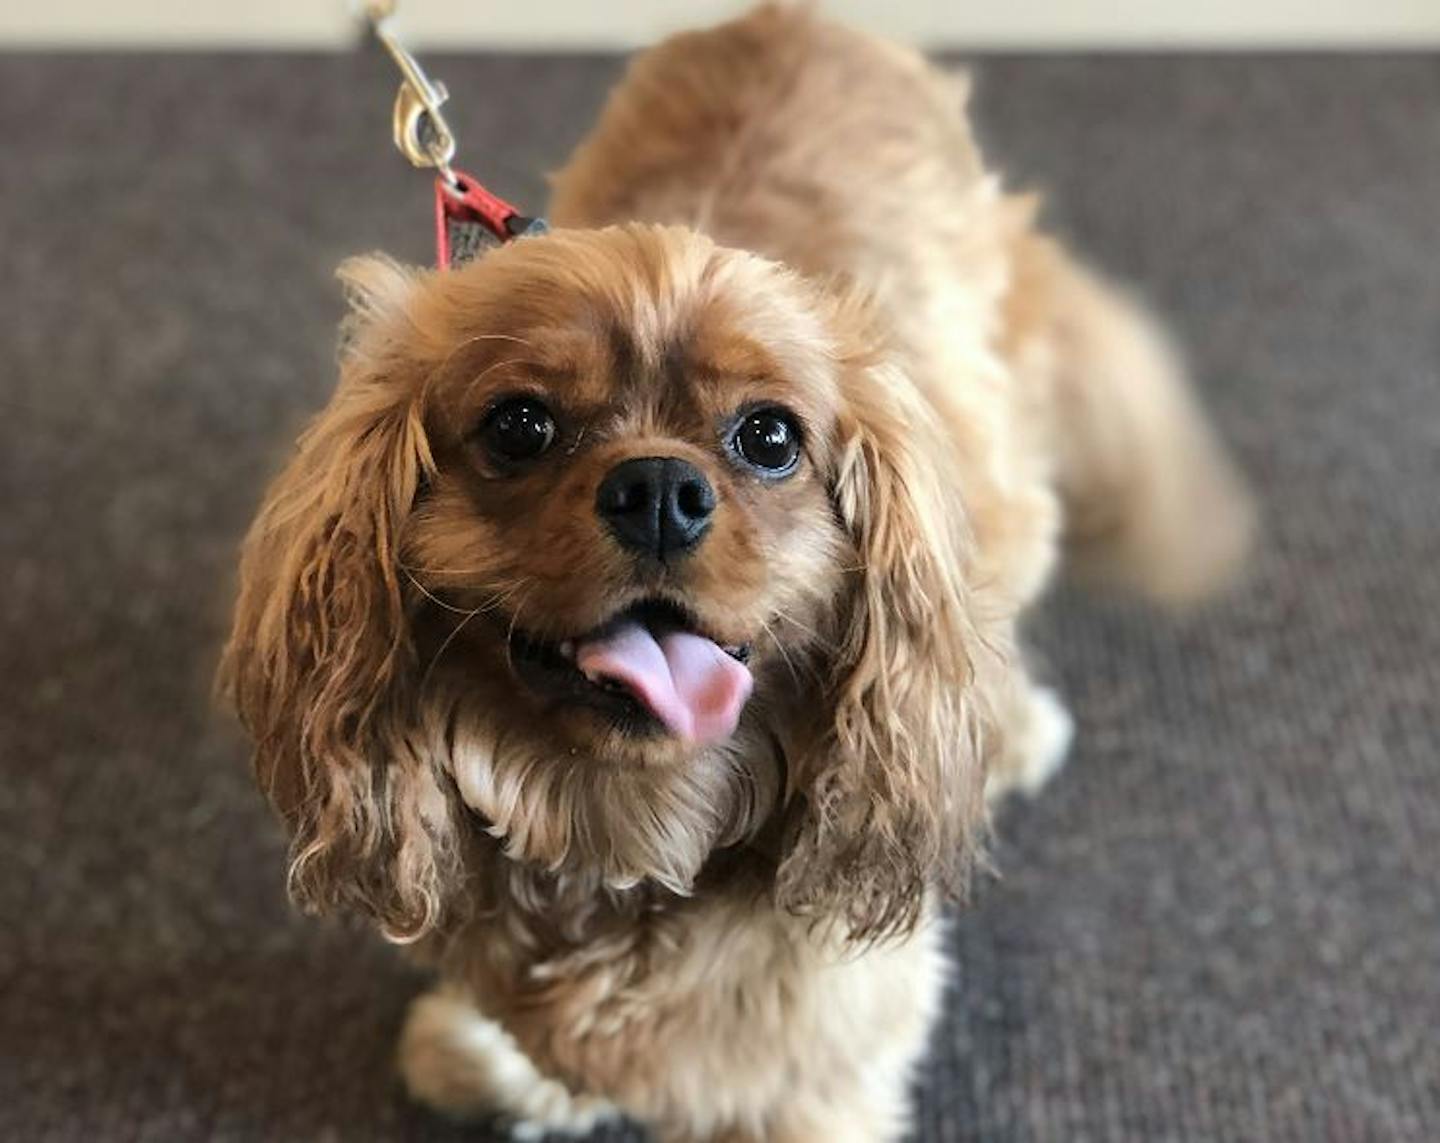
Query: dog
x=633, y=635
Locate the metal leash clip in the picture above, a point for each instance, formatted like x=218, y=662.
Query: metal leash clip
x=421, y=133
x=467, y=216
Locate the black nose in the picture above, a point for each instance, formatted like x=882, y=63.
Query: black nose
x=656, y=505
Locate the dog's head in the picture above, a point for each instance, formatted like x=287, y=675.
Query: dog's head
x=612, y=549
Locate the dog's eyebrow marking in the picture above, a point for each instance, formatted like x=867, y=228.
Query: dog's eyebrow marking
x=623, y=355
x=735, y=357
x=677, y=358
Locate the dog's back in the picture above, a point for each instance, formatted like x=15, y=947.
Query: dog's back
x=808, y=142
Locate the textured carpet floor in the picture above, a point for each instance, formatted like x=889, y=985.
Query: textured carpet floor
x=1220, y=923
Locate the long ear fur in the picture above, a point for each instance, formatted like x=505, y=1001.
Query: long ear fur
x=892, y=796
x=319, y=660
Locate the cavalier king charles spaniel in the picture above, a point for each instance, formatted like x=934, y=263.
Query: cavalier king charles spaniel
x=634, y=633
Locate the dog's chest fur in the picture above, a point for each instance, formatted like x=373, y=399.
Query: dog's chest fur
x=648, y=1008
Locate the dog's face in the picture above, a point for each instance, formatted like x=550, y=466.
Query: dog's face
x=610, y=550
x=628, y=522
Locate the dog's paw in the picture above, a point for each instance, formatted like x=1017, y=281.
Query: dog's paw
x=1038, y=743
x=468, y=1067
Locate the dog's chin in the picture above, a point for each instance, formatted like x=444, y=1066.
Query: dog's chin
x=653, y=677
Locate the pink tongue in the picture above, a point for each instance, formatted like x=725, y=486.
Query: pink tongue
x=684, y=680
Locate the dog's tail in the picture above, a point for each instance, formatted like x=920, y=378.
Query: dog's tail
x=1152, y=500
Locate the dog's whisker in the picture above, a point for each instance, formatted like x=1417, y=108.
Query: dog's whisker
x=445, y=645
x=431, y=596
x=460, y=347
x=489, y=369
x=820, y=641
x=420, y=569
x=784, y=654
x=502, y=337
x=492, y=600
x=510, y=631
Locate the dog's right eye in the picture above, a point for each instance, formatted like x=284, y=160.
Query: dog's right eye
x=518, y=429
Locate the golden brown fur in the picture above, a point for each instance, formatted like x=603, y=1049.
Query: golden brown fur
x=736, y=941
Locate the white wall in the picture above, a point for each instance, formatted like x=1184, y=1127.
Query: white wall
x=1032, y=24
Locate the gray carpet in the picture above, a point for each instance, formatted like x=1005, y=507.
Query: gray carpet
x=1220, y=923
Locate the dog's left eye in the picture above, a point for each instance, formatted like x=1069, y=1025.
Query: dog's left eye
x=518, y=429
x=769, y=440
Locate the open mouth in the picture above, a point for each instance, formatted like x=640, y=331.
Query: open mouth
x=650, y=666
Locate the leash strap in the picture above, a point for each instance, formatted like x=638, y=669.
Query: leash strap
x=470, y=220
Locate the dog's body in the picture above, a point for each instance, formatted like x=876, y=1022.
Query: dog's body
x=731, y=934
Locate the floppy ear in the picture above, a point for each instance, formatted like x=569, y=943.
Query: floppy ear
x=319, y=659
x=892, y=793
